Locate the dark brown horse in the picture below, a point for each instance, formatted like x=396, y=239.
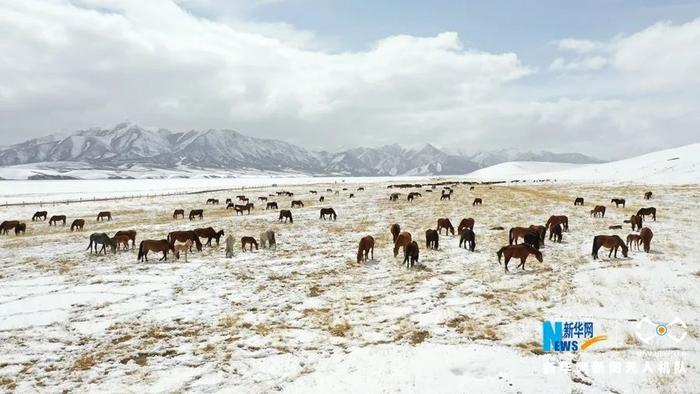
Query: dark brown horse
x=230, y=205
x=365, y=248
x=636, y=222
x=558, y=219
x=297, y=204
x=477, y=201
x=401, y=242
x=411, y=253
x=578, y=201
x=39, y=215
x=240, y=208
x=228, y=201
x=249, y=241
x=528, y=235
x=394, y=197
x=179, y=212
x=328, y=211
x=101, y=239
x=647, y=211
x=615, y=227
x=598, y=210
x=618, y=202
x=465, y=223
x=197, y=213
x=20, y=228
x=8, y=225
x=57, y=218
x=540, y=230
x=395, y=230
x=446, y=224
x=262, y=198
x=271, y=205
x=152, y=245
x=122, y=240
x=104, y=214
x=184, y=236
x=555, y=232
x=321, y=199
x=286, y=214
x=432, y=239
x=646, y=236
x=445, y=196
x=77, y=224
x=612, y=242
x=634, y=240
x=647, y=195
x=467, y=237
x=129, y=233
x=212, y=201
x=521, y=252
x=413, y=195
x=209, y=233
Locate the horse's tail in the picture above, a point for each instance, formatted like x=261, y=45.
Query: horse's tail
x=594, y=250
x=90, y=246
x=499, y=253
x=140, y=251
x=510, y=237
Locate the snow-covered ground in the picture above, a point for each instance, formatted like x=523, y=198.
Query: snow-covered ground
x=307, y=318
x=671, y=166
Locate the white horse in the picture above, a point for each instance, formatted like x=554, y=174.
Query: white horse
x=182, y=247
x=268, y=238
x=230, y=243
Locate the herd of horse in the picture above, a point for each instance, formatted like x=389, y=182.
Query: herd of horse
x=531, y=238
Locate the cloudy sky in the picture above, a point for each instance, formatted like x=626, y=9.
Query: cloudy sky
x=610, y=78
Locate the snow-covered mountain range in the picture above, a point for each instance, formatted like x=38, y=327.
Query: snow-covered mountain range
x=117, y=150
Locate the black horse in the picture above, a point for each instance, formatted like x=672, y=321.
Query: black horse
x=432, y=239
x=647, y=211
x=467, y=237
x=578, y=201
x=618, y=202
x=328, y=211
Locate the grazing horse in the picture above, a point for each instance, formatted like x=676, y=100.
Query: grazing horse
x=197, y=213
x=313, y=192
x=618, y=202
x=410, y=253
x=540, y=230
x=432, y=239
x=230, y=243
x=578, y=201
x=446, y=224
x=361, y=188
x=262, y=198
x=612, y=242
x=240, y=208
x=321, y=199
x=122, y=240
x=365, y=249
x=647, y=211
x=39, y=215
x=286, y=214
x=636, y=222
x=394, y=197
x=413, y=195
x=129, y=233
x=267, y=239
x=464, y=224
x=445, y=196
x=646, y=236
x=521, y=252
x=8, y=225
x=77, y=224
x=558, y=219
x=328, y=211
x=467, y=237
x=209, y=233
x=528, y=235
x=152, y=245
x=212, y=201
x=182, y=247
x=249, y=241
x=180, y=212
x=57, y=218
x=555, y=232
x=634, y=239
x=647, y=195
x=101, y=239
x=271, y=205
x=297, y=204
x=21, y=228
x=401, y=242
x=477, y=201
x=598, y=210
x=104, y=214
x=395, y=230
x=183, y=236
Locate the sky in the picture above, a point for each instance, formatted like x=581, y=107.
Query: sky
x=610, y=78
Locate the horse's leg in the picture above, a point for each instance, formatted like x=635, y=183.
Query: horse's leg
x=507, y=259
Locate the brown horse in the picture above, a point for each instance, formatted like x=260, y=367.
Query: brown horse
x=197, y=213
x=104, y=214
x=446, y=224
x=555, y=232
x=401, y=242
x=464, y=224
x=395, y=230
x=122, y=240
x=297, y=204
x=540, y=230
x=558, y=219
x=618, y=202
x=77, y=224
x=240, y=208
x=521, y=252
x=183, y=236
x=636, y=222
x=467, y=237
x=286, y=214
x=328, y=211
x=152, y=245
x=411, y=252
x=526, y=233
x=477, y=201
x=432, y=239
x=578, y=201
x=365, y=248
x=598, y=210
x=612, y=242
x=647, y=195
x=647, y=211
x=180, y=212
x=271, y=205
x=57, y=218
x=39, y=215
x=209, y=233
x=8, y=225
x=249, y=241
x=129, y=233
x=634, y=239
x=21, y=228
x=646, y=236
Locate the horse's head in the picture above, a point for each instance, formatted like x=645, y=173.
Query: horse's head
x=538, y=255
